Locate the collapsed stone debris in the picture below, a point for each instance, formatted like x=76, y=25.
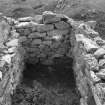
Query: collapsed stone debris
x=53, y=36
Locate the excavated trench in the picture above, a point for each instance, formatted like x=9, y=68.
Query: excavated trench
x=47, y=85
x=57, y=63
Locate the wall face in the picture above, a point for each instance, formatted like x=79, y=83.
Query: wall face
x=44, y=42
x=47, y=37
x=90, y=48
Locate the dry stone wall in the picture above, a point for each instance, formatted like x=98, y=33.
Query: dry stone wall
x=89, y=64
x=11, y=63
x=43, y=39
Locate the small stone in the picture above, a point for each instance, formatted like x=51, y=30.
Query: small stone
x=32, y=55
x=26, y=43
x=102, y=63
x=47, y=62
x=36, y=42
x=32, y=49
x=22, y=39
x=40, y=34
x=1, y=76
x=41, y=47
x=22, y=25
x=88, y=30
x=22, y=51
x=12, y=43
x=3, y=51
x=23, y=31
x=7, y=58
x=25, y=25
x=92, y=63
x=99, y=90
x=55, y=45
x=34, y=28
x=89, y=45
x=82, y=101
x=99, y=41
x=93, y=35
x=41, y=55
x=33, y=60
x=101, y=74
x=57, y=55
x=47, y=43
x=99, y=53
x=44, y=28
x=4, y=32
x=94, y=77
x=20, y=31
x=37, y=18
x=26, y=32
x=48, y=38
x=25, y=19
x=12, y=50
x=15, y=34
x=32, y=35
x=37, y=35
x=3, y=83
x=92, y=24
x=57, y=33
x=61, y=25
x=2, y=63
x=49, y=17
x=61, y=50
x=57, y=37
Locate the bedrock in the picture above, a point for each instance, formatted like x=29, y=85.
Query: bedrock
x=52, y=36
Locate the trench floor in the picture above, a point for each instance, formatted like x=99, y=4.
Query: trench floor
x=47, y=85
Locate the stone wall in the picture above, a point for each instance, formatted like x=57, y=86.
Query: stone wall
x=46, y=40
x=43, y=38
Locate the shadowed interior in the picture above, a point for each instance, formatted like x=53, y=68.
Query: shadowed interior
x=48, y=85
